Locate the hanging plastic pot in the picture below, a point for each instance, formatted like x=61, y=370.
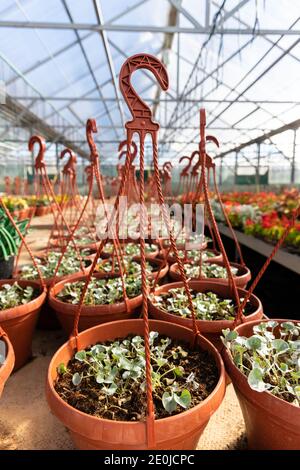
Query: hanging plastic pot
x=7, y=366
x=159, y=268
x=211, y=329
x=271, y=423
x=19, y=322
x=212, y=255
x=91, y=315
x=181, y=431
x=241, y=278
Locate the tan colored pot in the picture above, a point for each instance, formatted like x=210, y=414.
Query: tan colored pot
x=19, y=322
x=211, y=329
x=242, y=277
x=181, y=431
x=271, y=423
x=90, y=315
x=6, y=368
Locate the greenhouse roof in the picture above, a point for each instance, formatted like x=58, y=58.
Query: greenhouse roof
x=239, y=59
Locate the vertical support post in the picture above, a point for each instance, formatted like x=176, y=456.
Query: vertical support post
x=207, y=13
x=57, y=158
x=220, y=172
x=236, y=167
x=178, y=61
x=293, y=164
x=257, y=167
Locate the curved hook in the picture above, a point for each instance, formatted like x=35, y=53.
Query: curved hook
x=70, y=165
x=185, y=170
x=39, y=160
x=91, y=128
x=133, y=153
x=167, y=165
x=141, y=113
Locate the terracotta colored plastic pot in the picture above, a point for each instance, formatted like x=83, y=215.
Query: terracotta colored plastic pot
x=211, y=329
x=182, y=246
x=6, y=368
x=271, y=423
x=181, y=431
x=242, y=277
x=152, y=255
x=172, y=259
x=91, y=315
x=58, y=243
x=41, y=210
x=19, y=322
x=31, y=212
x=49, y=280
x=156, y=263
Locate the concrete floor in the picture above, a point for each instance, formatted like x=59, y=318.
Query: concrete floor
x=26, y=421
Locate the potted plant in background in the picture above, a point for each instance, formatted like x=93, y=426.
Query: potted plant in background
x=214, y=304
x=9, y=243
x=104, y=300
x=262, y=359
x=20, y=303
x=213, y=270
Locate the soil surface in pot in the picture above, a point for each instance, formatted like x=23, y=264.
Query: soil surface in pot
x=191, y=375
x=208, y=305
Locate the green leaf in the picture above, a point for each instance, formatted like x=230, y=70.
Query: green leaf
x=255, y=380
x=61, y=369
x=169, y=402
x=280, y=346
x=179, y=371
x=229, y=335
x=288, y=326
x=254, y=343
x=111, y=390
x=80, y=356
x=76, y=379
x=184, y=400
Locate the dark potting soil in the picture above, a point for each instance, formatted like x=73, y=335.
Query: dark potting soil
x=89, y=398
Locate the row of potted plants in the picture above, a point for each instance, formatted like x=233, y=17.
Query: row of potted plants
x=264, y=215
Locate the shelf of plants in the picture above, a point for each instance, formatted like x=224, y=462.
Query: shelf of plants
x=157, y=326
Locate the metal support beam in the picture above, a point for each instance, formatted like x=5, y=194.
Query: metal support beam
x=293, y=163
x=100, y=19
x=88, y=65
x=292, y=125
x=257, y=168
x=220, y=173
x=146, y=28
x=236, y=167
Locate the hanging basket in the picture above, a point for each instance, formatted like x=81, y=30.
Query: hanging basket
x=90, y=315
x=271, y=423
x=241, y=278
x=179, y=432
x=211, y=329
x=7, y=367
x=158, y=265
x=19, y=322
x=171, y=258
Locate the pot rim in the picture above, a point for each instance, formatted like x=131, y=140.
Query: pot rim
x=208, y=325
x=242, y=379
x=244, y=270
x=35, y=303
x=7, y=367
x=48, y=280
x=86, y=309
x=212, y=349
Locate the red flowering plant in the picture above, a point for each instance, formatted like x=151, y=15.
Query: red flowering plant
x=264, y=215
